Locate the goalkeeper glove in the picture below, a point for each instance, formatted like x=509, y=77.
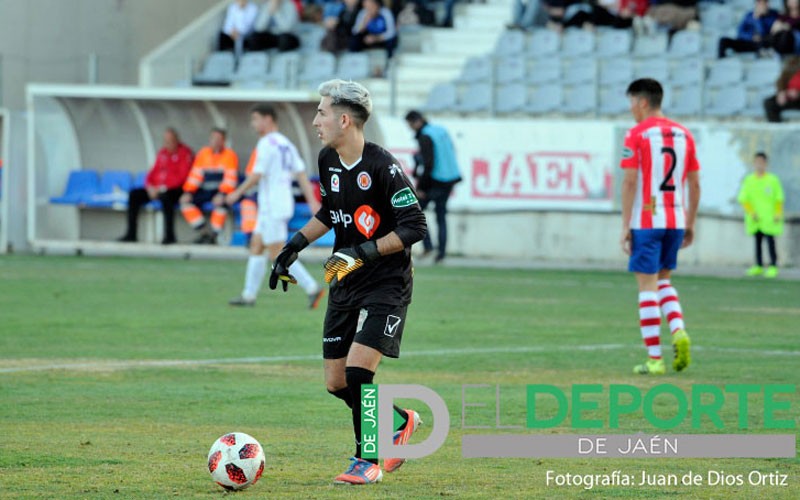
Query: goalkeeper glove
x=346, y=260
x=280, y=269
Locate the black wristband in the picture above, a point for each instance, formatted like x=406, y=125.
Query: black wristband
x=368, y=251
x=298, y=242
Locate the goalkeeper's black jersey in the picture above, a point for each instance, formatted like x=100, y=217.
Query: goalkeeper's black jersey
x=368, y=200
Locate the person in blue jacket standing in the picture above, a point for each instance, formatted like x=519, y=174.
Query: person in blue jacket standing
x=437, y=172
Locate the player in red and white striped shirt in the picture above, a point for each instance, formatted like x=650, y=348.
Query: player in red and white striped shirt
x=659, y=159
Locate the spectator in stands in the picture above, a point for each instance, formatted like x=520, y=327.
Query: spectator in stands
x=374, y=28
x=788, y=95
x=674, y=14
x=214, y=174
x=617, y=14
x=437, y=172
x=784, y=35
x=753, y=31
x=427, y=15
x=559, y=12
x=274, y=25
x=525, y=14
x=239, y=21
x=339, y=22
x=163, y=183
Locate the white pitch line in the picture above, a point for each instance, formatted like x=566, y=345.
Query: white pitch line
x=168, y=363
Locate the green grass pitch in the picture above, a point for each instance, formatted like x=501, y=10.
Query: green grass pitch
x=121, y=426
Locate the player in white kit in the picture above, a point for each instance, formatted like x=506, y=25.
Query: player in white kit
x=277, y=163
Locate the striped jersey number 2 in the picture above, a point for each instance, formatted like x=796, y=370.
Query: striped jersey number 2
x=668, y=184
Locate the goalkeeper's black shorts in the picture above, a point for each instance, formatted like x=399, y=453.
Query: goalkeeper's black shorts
x=379, y=326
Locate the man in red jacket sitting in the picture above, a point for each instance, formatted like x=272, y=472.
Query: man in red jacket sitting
x=163, y=183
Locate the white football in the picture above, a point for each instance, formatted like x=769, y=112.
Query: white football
x=236, y=461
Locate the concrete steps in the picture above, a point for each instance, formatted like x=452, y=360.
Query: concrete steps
x=444, y=51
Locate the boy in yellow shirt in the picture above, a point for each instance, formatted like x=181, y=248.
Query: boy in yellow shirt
x=761, y=196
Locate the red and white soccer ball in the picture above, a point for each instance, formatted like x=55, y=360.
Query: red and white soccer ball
x=236, y=461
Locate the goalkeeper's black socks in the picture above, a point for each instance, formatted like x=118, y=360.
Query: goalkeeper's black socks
x=355, y=377
x=344, y=395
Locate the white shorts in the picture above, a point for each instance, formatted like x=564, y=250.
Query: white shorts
x=272, y=230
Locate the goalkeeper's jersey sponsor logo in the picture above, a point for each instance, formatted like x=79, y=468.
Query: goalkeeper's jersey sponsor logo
x=403, y=198
x=341, y=217
x=367, y=220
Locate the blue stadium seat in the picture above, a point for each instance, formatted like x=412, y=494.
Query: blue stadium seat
x=443, y=97
x=615, y=71
x=138, y=180
x=476, y=97
x=581, y=70
x=511, y=98
x=727, y=101
x=252, y=68
x=718, y=18
x=687, y=101
x=577, y=42
x=762, y=72
x=239, y=239
x=613, y=100
x=755, y=100
x=654, y=67
x=688, y=71
x=319, y=67
x=580, y=99
x=685, y=43
x=650, y=46
x=510, y=43
x=81, y=186
x=284, y=68
x=613, y=43
x=543, y=43
x=545, y=99
x=545, y=71
x=476, y=70
x=725, y=72
x=511, y=70
x=353, y=66
x=217, y=70
x=113, y=192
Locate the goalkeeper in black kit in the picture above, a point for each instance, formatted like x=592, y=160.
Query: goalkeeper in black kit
x=373, y=209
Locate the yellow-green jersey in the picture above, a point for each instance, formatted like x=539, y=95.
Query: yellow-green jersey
x=762, y=199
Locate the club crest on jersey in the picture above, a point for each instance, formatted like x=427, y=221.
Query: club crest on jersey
x=364, y=181
x=627, y=153
x=403, y=198
x=367, y=220
x=335, y=183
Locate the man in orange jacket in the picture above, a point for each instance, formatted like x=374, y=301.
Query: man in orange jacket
x=214, y=174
